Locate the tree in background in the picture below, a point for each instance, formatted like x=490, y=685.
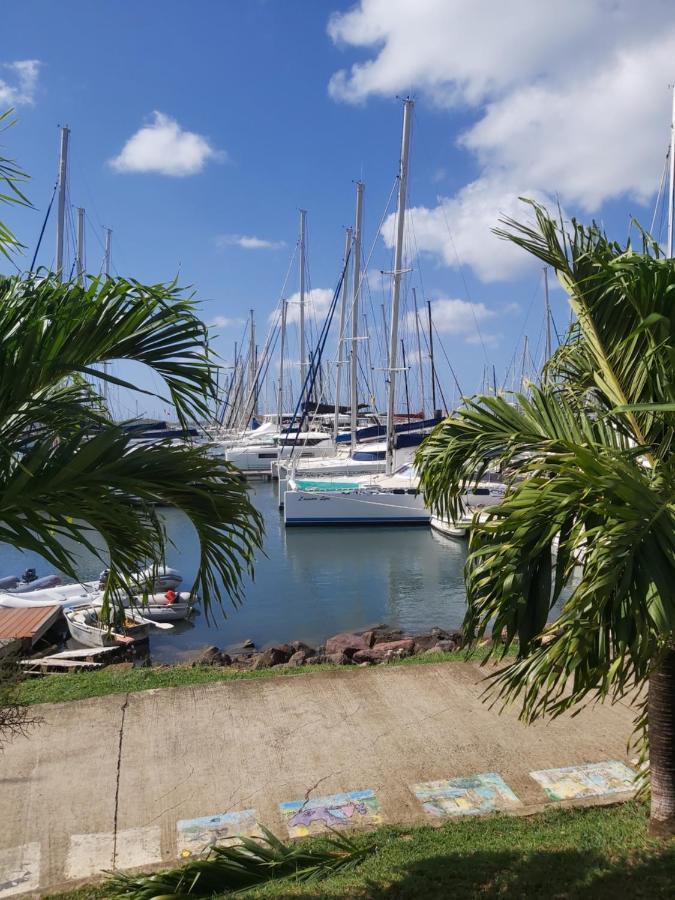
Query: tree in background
x=591, y=468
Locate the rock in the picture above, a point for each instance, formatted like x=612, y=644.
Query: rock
x=248, y=643
x=368, y=656
x=383, y=634
x=300, y=657
x=391, y=655
x=424, y=642
x=442, y=647
x=405, y=645
x=273, y=656
x=210, y=656
x=335, y=659
x=346, y=643
x=298, y=646
x=225, y=659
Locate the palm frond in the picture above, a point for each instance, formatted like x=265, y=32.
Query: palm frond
x=237, y=869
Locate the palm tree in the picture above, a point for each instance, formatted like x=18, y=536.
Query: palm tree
x=69, y=475
x=591, y=465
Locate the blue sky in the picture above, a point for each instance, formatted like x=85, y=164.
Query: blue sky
x=249, y=110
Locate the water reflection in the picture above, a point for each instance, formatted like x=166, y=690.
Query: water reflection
x=311, y=583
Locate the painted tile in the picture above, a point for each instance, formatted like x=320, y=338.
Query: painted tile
x=90, y=854
x=196, y=836
x=594, y=780
x=472, y=796
x=19, y=869
x=347, y=810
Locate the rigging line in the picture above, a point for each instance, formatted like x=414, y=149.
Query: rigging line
x=364, y=275
x=536, y=290
x=42, y=230
x=452, y=371
x=464, y=282
x=659, y=193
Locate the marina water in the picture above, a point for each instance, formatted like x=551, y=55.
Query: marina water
x=309, y=583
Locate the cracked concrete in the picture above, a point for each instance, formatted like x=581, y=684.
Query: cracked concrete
x=137, y=763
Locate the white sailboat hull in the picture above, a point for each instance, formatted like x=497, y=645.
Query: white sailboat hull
x=357, y=507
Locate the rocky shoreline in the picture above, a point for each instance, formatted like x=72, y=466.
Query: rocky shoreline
x=372, y=646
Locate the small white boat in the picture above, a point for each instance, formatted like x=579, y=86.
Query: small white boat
x=85, y=626
x=454, y=529
x=169, y=606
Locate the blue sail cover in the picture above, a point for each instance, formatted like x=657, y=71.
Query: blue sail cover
x=375, y=431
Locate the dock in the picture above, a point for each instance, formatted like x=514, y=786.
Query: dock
x=27, y=626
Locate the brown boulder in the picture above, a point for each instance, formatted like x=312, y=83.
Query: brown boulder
x=406, y=646
x=297, y=646
x=300, y=657
x=383, y=634
x=273, y=656
x=210, y=656
x=347, y=643
x=368, y=656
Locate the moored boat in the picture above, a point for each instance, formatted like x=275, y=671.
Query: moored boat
x=85, y=627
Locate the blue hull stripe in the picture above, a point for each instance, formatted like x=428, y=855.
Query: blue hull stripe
x=418, y=520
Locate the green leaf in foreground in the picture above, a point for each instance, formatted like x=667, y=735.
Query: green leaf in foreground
x=231, y=870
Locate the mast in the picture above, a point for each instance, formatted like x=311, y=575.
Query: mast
x=341, y=337
x=549, y=347
x=671, y=186
x=405, y=379
x=354, y=358
x=61, y=214
x=79, y=253
x=303, y=358
x=253, y=375
x=107, y=264
x=398, y=272
x=107, y=256
x=280, y=404
x=431, y=360
x=419, y=350
x=523, y=364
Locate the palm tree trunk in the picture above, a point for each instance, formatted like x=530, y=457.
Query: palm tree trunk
x=662, y=747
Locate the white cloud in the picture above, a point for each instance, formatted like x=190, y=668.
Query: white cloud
x=248, y=242
x=460, y=318
x=20, y=89
x=458, y=231
x=224, y=322
x=571, y=102
x=164, y=148
x=317, y=302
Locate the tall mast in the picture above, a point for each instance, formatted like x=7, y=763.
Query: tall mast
x=397, y=274
x=61, y=213
x=303, y=355
x=353, y=369
x=405, y=379
x=107, y=256
x=253, y=375
x=341, y=337
x=431, y=360
x=107, y=265
x=280, y=404
x=671, y=186
x=79, y=253
x=549, y=346
x=419, y=350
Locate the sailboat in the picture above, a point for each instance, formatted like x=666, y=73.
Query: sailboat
x=392, y=497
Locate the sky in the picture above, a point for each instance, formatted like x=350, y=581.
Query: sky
x=198, y=130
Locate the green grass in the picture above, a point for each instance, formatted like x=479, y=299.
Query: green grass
x=594, y=853
x=110, y=680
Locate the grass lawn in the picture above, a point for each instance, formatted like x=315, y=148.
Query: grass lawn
x=112, y=680
x=594, y=853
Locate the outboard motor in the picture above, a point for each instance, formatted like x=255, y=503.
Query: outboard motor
x=28, y=576
x=36, y=584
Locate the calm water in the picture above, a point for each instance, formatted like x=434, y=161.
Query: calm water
x=311, y=583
